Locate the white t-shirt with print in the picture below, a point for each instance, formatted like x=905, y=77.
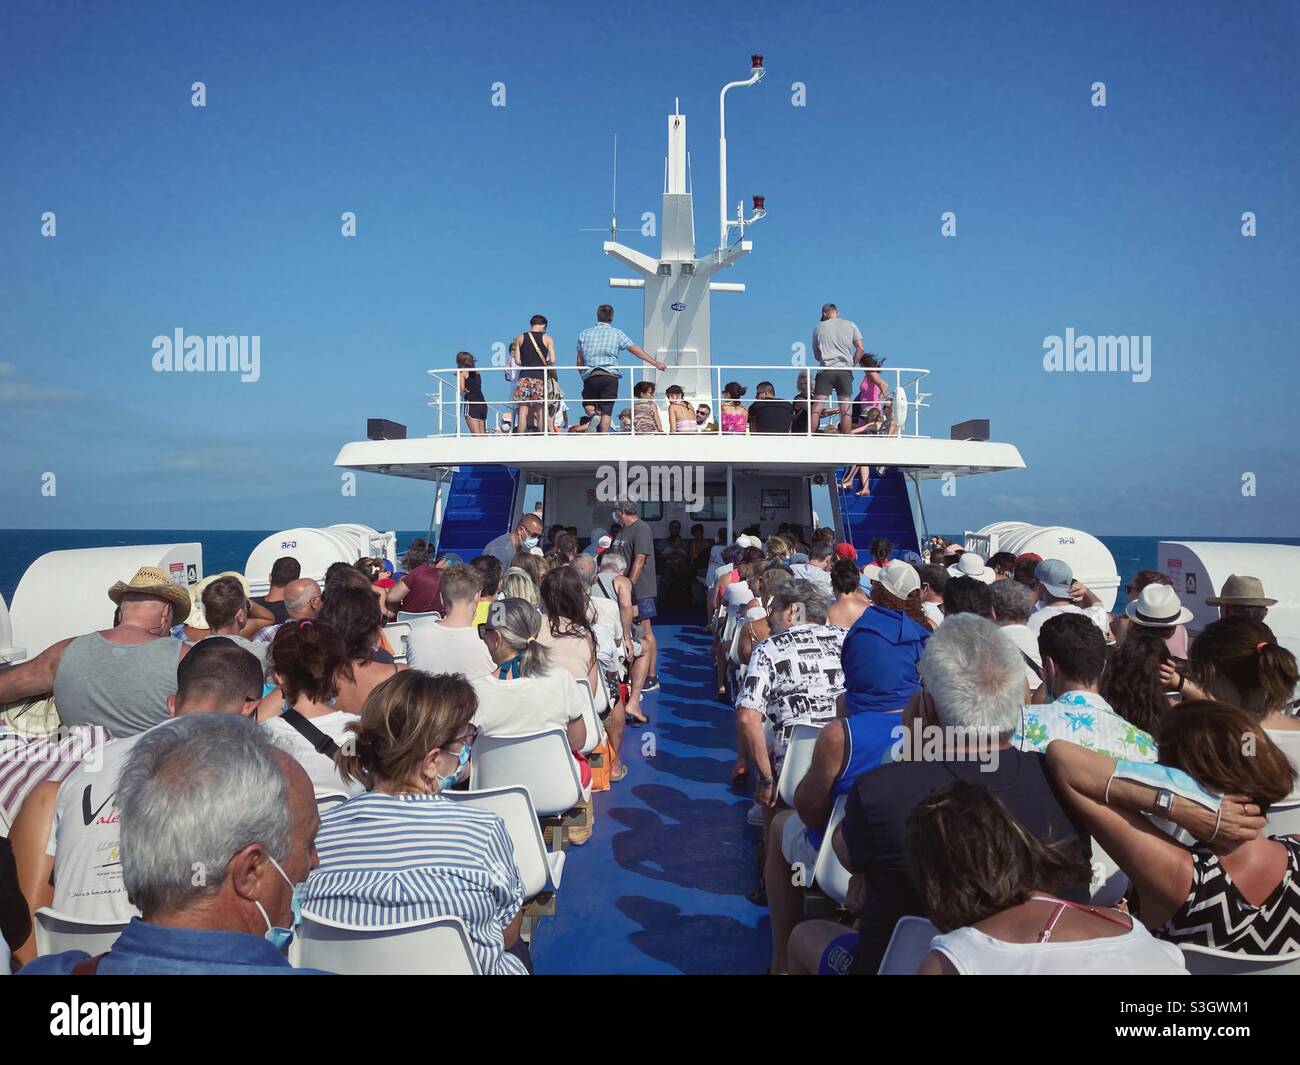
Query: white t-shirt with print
x=84, y=839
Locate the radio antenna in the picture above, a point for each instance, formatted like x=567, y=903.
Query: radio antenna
x=613, y=210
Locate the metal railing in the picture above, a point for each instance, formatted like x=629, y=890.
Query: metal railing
x=557, y=404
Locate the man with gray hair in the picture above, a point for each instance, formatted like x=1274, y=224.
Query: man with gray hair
x=302, y=601
x=973, y=685
x=794, y=676
x=217, y=830
x=1012, y=605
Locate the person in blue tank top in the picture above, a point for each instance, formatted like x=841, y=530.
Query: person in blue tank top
x=882, y=649
x=845, y=749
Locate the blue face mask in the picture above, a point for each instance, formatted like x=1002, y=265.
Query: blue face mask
x=280, y=937
x=462, y=760
x=530, y=542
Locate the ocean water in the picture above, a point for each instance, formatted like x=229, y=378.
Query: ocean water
x=228, y=549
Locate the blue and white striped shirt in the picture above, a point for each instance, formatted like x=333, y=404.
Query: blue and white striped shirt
x=600, y=345
x=388, y=859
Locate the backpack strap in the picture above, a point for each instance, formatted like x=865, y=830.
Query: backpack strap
x=87, y=966
x=309, y=732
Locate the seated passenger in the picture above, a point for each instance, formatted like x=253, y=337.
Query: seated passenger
x=794, y=676
x=529, y=691
x=1234, y=889
x=934, y=580
x=226, y=609
x=882, y=649
x=308, y=661
x=566, y=630
x=402, y=852
x=453, y=645
x=60, y=850
x=1142, y=579
x=990, y=886
x=735, y=418
x=489, y=571
x=1060, y=593
x=1074, y=656
x=970, y=705
x=767, y=414
x=645, y=414
x=817, y=570
x=967, y=595
x=850, y=599
x=359, y=623
x=117, y=678
x=681, y=415
x=1012, y=603
x=211, y=789
x=1238, y=660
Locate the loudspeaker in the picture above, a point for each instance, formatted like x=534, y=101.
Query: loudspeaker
x=975, y=429
x=383, y=429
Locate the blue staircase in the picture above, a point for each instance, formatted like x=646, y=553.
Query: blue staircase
x=886, y=512
x=479, y=508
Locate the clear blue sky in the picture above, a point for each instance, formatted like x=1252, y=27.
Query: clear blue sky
x=1122, y=220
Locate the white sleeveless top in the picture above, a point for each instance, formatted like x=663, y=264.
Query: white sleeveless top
x=1137, y=952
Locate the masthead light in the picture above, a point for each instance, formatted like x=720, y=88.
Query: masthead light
x=756, y=61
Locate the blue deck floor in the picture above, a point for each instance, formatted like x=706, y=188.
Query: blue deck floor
x=661, y=885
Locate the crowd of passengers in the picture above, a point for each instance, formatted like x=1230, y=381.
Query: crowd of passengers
x=996, y=739
x=538, y=403
x=209, y=721
x=986, y=724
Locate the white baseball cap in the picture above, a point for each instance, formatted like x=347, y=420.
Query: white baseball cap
x=900, y=579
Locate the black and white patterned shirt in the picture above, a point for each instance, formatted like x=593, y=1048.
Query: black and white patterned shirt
x=794, y=676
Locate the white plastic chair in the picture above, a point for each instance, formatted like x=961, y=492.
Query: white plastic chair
x=908, y=945
x=829, y=873
x=538, y=761
x=328, y=799
x=398, y=634
x=57, y=932
x=539, y=868
x=590, y=718
x=1109, y=882
x=1207, y=961
x=798, y=757
x=414, y=618
x=439, y=946
x=1283, y=820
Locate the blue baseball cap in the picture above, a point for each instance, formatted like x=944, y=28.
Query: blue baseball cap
x=1056, y=576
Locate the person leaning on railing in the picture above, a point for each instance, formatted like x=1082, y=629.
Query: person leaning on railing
x=598, y=349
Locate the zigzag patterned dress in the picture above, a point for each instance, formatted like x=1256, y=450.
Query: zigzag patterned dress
x=1216, y=915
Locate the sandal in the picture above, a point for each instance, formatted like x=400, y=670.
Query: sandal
x=638, y=721
x=616, y=776
x=739, y=774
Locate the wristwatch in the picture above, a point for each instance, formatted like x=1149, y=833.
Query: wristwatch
x=1164, y=802
x=766, y=782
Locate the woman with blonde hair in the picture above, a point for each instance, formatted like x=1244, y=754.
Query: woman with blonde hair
x=403, y=852
x=517, y=583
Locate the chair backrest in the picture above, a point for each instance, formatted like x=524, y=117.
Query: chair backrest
x=590, y=718
x=798, y=757
x=439, y=946
x=328, y=799
x=414, y=618
x=1207, y=961
x=1283, y=820
x=539, y=761
x=57, y=932
x=398, y=634
x=907, y=946
x=515, y=808
x=1109, y=882
x=829, y=874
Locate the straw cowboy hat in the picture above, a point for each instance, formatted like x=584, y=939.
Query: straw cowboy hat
x=149, y=580
x=1240, y=591
x=971, y=565
x=1158, y=606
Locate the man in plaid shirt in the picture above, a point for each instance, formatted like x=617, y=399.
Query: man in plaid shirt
x=598, y=349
